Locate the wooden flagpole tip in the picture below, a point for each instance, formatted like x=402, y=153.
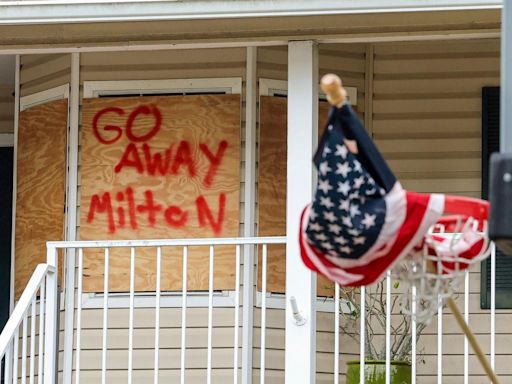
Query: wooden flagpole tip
x=331, y=85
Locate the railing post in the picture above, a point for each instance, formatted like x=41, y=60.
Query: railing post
x=50, y=347
x=8, y=365
x=300, y=344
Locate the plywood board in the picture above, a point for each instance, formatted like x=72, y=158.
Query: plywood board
x=40, y=185
x=160, y=167
x=272, y=188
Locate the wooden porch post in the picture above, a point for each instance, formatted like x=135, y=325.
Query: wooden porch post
x=300, y=344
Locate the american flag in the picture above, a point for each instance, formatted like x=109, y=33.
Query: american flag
x=361, y=221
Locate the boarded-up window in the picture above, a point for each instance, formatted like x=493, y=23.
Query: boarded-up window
x=160, y=167
x=40, y=185
x=272, y=188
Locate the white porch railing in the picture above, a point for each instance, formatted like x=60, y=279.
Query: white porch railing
x=28, y=343
x=157, y=300
x=41, y=315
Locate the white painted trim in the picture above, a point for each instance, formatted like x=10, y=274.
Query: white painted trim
x=30, y=12
x=6, y=139
x=52, y=94
x=302, y=138
x=272, y=87
x=167, y=242
x=251, y=108
x=167, y=300
x=230, y=85
x=336, y=39
x=71, y=216
x=14, y=179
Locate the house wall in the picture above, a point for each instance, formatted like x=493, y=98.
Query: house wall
x=41, y=72
x=424, y=109
x=427, y=122
x=6, y=109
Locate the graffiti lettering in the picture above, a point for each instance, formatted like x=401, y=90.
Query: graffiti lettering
x=175, y=216
x=101, y=205
x=167, y=162
x=150, y=207
x=172, y=215
x=145, y=110
x=108, y=128
x=151, y=110
x=154, y=161
x=128, y=209
x=129, y=159
x=205, y=214
x=215, y=160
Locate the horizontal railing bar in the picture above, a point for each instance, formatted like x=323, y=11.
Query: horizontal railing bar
x=168, y=242
x=23, y=305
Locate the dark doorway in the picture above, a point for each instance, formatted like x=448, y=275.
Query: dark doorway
x=6, y=159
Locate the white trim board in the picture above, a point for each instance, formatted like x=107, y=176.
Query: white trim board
x=349, y=39
x=221, y=299
x=52, y=94
x=61, y=11
x=230, y=85
x=271, y=87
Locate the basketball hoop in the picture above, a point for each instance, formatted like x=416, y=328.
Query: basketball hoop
x=435, y=268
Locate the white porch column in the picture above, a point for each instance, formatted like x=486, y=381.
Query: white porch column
x=302, y=140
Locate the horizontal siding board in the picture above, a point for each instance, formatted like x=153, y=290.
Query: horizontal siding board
x=169, y=359
x=437, y=125
x=6, y=109
x=45, y=83
x=433, y=106
x=431, y=49
x=113, y=74
x=157, y=58
x=51, y=65
x=423, y=64
x=459, y=84
x=6, y=126
x=433, y=145
x=170, y=317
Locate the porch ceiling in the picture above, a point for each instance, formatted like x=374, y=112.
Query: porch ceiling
x=239, y=31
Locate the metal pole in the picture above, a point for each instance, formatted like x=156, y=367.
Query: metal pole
x=506, y=79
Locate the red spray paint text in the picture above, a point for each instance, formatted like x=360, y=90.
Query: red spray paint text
x=124, y=209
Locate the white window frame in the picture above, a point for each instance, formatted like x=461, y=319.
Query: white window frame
x=94, y=89
x=52, y=94
x=229, y=85
x=32, y=100
x=273, y=87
